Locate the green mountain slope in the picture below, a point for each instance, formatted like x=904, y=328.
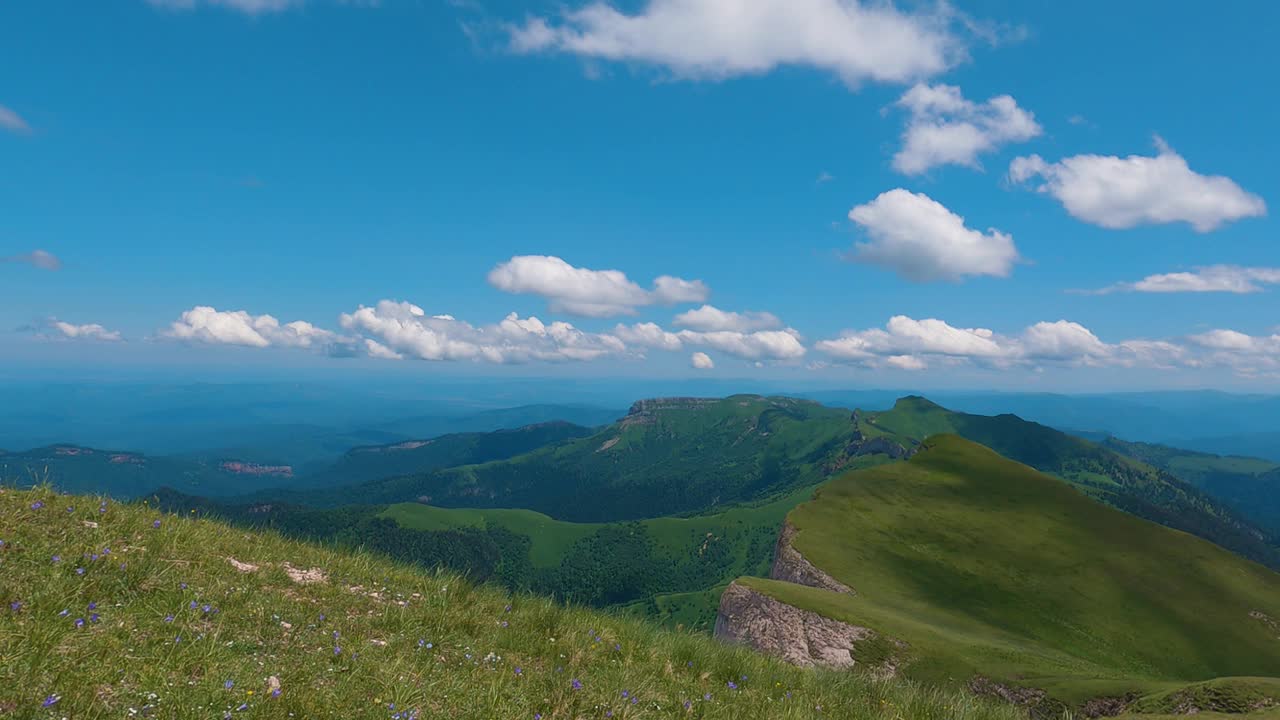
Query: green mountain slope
x=667, y=456
x=1250, y=486
x=1123, y=482
x=162, y=624
x=985, y=567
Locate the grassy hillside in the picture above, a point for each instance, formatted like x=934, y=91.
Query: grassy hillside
x=987, y=567
x=117, y=611
x=668, y=456
x=1121, y=481
x=1250, y=486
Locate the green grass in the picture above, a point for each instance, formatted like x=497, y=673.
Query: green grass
x=985, y=566
x=129, y=662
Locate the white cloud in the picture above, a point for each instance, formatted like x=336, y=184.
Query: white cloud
x=1214, y=278
x=715, y=39
x=709, y=318
x=90, y=331
x=922, y=240
x=208, y=325
x=946, y=129
x=12, y=121
x=1246, y=355
x=701, y=361
x=1120, y=193
x=586, y=292
x=1062, y=340
x=648, y=335
x=35, y=258
x=759, y=345
x=404, y=329
x=906, y=362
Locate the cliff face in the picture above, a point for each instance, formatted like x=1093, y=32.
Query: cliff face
x=797, y=636
x=790, y=566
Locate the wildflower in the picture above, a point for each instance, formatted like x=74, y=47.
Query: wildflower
x=421, y=642
x=732, y=685
x=706, y=696
x=229, y=684
x=626, y=694
x=93, y=606
x=321, y=617
x=206, y=609
x=275, y=693
x=182, y=586
x=79, y=622
x=177, y=640
x=168, y=618
x=64, y=613
x=337, y=650
x=93, y=618
x=50, y=701
x=80, y=571
x=193, y=605
x=57, y=558
x=504, y=623
x=156, y=524
x=70, y=509
x=575, y=684
x=519, y=671
x=687, y=704
x=37, y=505
x=15, y=606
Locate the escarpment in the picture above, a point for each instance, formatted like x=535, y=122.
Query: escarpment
x=790, y=566
x=797, y=636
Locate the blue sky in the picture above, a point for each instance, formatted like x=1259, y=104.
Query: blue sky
x=884, y=195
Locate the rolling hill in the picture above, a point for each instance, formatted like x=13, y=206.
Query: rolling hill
x=970, y=568
x=119, y=611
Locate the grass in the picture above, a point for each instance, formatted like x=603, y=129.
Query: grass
x=985, y=566
x=176, y=631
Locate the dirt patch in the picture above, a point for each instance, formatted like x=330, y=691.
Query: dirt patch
x=608, y=444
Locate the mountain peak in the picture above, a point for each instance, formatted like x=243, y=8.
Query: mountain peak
x=917, y=403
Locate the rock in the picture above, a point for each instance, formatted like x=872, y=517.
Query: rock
x=306, y=577
x=242, y=566
x=273, y=684
x=790, y=566
x=797, y=636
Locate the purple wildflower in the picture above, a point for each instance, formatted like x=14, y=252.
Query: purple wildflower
x=57, y=558
x=243, y=707
x=519, y=671
x=206, y=609
x=168, y=618
x=504, y=623
x=626, y=694
x=337, y=649
x=177, y=640
x=79, y=571
x=37, y=505
x=50, y=701
x=706, y=696
x=79, y=622
x=64, y=613
x=193, y=605
x=608, y=713
x=275, y=693
x=93, y=605
x=687, y=704
x=15, y=606
x=575, y=684
x=155, y=524
x=732, y=685
x=93, y=618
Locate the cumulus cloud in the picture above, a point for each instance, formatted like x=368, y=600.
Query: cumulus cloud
x=1214, y=278
x=759, y=345
x=1247, y=355
x=1120, y=193
x=713, y=39
x=220, y=327
x=35, y=258
x=944, y=128
x=710, y=318
x=648, y=335
x=90, y=331
x=589, y=293
x=404, y=329
x=921, y=240
x=12, y=121
x=701, y=361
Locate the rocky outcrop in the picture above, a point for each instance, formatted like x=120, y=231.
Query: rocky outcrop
x=860, y=444
x=644, y=412
x=790, y=566
x=800, y=637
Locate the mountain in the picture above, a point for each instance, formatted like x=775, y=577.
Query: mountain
x=1114, y=478
x=667, y=456
x=185, y=618
x=962, y=566
x=124, y=474
x=1250, y=486
x=371, y=462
